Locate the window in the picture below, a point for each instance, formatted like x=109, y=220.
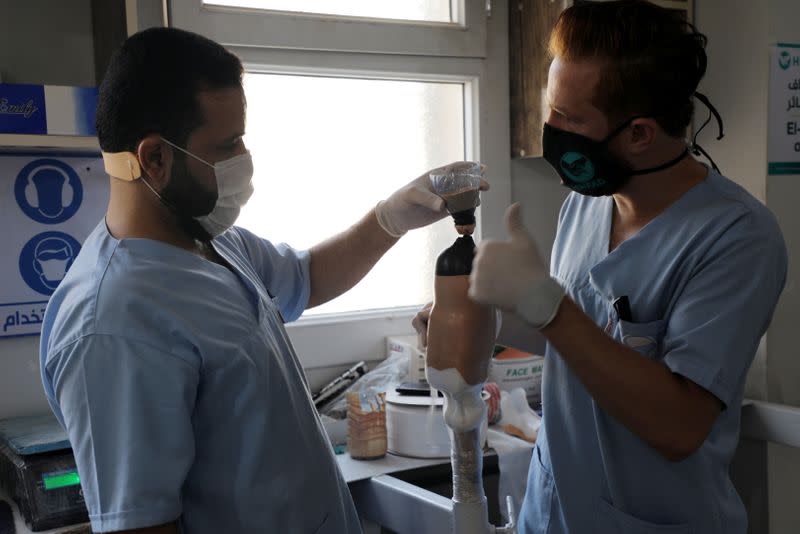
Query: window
x=335, y=146
x=344, y=108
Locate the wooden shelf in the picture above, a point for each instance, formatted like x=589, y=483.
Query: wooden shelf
x=529, y=26
x=70, y=142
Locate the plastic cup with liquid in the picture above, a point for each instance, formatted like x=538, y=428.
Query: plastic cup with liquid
x=459, y=186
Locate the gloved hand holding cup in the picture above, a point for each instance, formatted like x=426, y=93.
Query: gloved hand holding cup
x=459, y=185
x=417, y=204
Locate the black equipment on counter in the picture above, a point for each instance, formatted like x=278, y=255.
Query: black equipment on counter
x=6, y=519
x=339, y=384
x=37, y=471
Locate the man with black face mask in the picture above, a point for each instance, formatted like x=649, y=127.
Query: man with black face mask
x=163, y=351
x=664, y=277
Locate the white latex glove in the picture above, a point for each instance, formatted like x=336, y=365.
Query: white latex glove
x=512, y=276
x=413, y=206
x=420, y=324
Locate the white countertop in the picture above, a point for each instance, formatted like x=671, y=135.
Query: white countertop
x=354, y=470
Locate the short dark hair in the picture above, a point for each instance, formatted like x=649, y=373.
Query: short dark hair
x=152, y=83
x=655, y=58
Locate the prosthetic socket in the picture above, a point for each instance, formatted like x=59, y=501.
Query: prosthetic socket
x=461, y=335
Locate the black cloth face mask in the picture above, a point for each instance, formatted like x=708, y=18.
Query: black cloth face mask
x=587, y=166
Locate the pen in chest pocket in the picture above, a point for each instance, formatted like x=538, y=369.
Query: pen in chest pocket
x=623, y=308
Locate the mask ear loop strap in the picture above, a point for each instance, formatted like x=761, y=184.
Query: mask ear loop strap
x=697, y=150
x=198, y=158
x=616, y=131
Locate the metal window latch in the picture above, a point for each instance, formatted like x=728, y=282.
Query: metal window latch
x=488, y=8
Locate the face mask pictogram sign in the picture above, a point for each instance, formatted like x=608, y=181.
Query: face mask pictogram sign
x=49, y=203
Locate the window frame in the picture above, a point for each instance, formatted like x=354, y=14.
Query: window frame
x=327, y=344
x=307, y=31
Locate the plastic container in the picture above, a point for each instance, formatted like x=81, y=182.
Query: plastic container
x=366, y=425
x=459, y=186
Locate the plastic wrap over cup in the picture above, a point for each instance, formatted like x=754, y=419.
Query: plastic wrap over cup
x=456, y=177
x=459, y=186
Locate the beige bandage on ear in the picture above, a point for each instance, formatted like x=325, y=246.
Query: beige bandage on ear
x=122, y=165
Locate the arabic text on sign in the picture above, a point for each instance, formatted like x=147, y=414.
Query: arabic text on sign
x=22, y=319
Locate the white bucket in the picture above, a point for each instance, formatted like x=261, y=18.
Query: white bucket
x=412, y=431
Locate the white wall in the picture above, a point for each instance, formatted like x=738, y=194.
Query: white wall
x=783, y=368
x=20, y=386
x=536, y=186
x=46, y=42
x=740, y=32
x=736, y=84
x=782, y=193
x=41, y=42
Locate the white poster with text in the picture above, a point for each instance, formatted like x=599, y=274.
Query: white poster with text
x=783, y=153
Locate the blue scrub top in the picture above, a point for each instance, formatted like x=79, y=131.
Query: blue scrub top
x=703, y=279
x=181, y=393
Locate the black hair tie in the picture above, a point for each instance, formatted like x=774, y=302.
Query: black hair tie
x=697, y=150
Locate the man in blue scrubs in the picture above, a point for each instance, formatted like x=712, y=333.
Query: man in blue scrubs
x=664, y=277
x=163, y=351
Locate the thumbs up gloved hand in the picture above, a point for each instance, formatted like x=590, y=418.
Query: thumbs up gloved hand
x=415, y=205
x=512, y=276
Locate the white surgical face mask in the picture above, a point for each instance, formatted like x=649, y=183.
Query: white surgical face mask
x=234, y=188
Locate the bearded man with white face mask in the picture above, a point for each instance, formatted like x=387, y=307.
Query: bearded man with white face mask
x=163, y=351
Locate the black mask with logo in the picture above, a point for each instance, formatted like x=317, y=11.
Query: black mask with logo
x=587, y=166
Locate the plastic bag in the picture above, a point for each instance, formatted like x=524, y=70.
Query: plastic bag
x=387, y=374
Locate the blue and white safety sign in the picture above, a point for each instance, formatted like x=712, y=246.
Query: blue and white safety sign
x=49, y=203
